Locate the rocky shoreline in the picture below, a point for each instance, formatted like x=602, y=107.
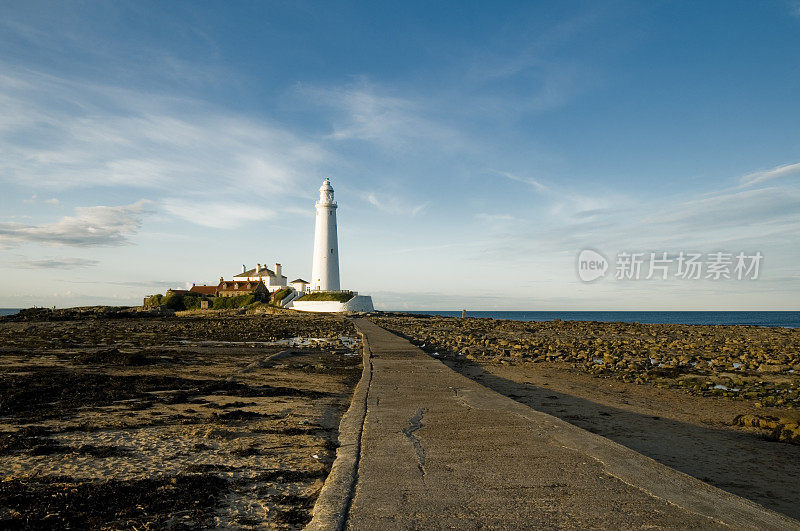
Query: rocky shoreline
x=756, y=364
x=118, y=418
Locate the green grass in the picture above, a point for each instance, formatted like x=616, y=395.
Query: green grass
x=279, y=295
x=326, y=296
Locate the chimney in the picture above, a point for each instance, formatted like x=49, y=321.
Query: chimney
x=278, y=270
x=244, y=268
x=258, y=269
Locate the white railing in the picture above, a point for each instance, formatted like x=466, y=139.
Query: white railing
x=333, y=291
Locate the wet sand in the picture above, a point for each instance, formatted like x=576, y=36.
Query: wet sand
x=170, y=422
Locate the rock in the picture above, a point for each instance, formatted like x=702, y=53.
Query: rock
x=658, y=353
x=772, y=368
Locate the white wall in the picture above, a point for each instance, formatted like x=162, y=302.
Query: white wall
x=272, y=283
x=359, y=303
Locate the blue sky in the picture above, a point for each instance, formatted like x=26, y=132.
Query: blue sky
x=475, y=147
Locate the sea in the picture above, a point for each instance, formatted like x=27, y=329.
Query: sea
x=782, y=319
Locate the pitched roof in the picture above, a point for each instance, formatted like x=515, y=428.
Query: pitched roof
x=204, y=290
x=238, y=285
x=264, y=272
x=299, y=280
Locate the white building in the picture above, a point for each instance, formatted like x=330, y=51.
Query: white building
x=300, y=285
x=325, y=268
x=274, y=280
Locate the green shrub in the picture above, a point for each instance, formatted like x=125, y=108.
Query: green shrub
x=152, y=301
x=238, y=301
x=178, y=302
x=327, y=296
x=191, y=302
x=279, y=295
x=173, y=302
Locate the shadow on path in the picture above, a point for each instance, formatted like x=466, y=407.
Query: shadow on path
x=763, y=471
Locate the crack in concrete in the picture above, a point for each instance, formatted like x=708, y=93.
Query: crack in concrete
x=414, y=424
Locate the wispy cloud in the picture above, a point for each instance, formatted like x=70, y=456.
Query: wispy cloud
x=526, y=180
x=768, y=175
x=215, y=214
x=89, y=227
x=551, y=79
x=494, y=217
x=749, y=214
x=393, y=205
x=35, y=198
x=366, y=112
x=61, y=262
x=299, y=211
x=163, y=284
x=533, y=52
x=765, y=219
x=62, y=133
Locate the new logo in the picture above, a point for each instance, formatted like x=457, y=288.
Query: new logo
x=591, y=265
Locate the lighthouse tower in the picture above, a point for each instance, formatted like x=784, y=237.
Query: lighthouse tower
x=325, y=269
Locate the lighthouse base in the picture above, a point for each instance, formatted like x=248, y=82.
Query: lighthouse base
x=359, y=303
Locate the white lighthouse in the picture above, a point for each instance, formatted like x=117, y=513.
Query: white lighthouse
x=325, y=269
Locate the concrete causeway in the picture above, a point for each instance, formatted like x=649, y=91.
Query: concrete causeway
x=429, y=448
